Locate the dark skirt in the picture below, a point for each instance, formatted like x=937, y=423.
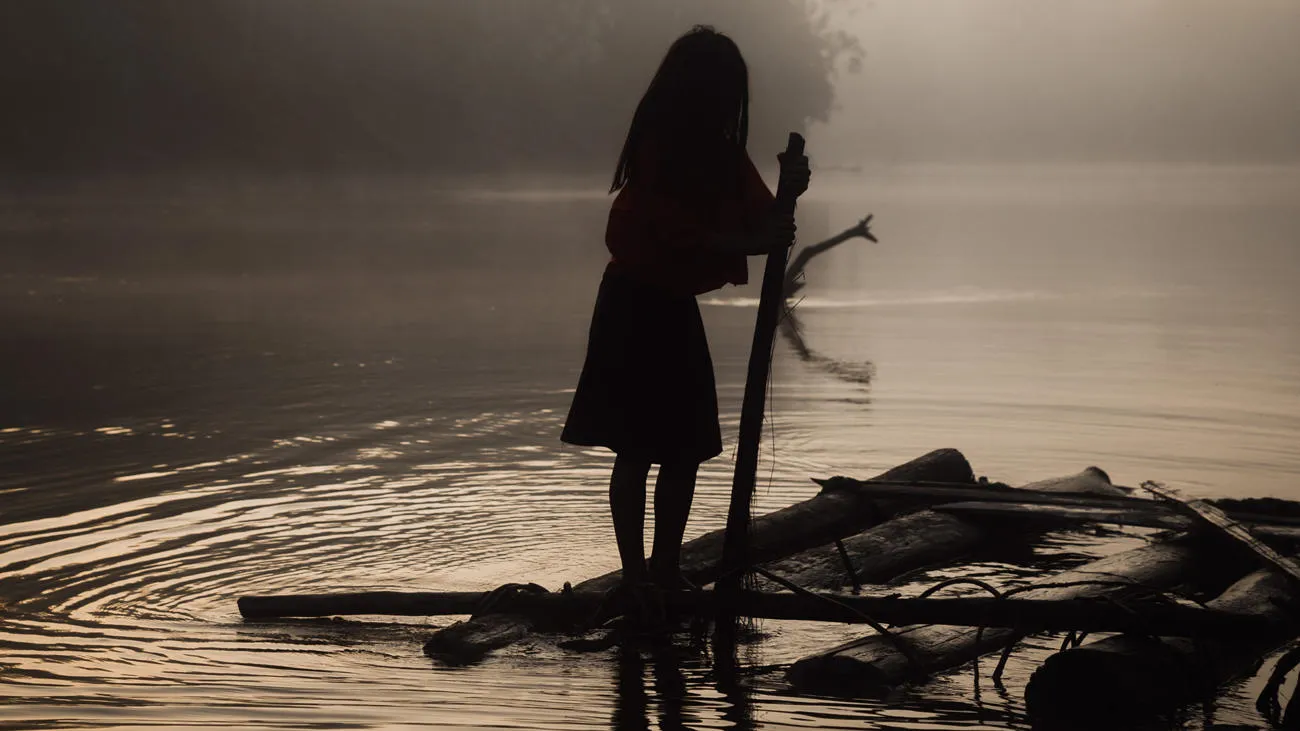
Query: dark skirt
x=647, y=386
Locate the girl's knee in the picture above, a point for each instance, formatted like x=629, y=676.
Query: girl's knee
x=679, y=470
x=628, y=467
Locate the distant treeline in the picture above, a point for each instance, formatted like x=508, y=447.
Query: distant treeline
x=374, y=85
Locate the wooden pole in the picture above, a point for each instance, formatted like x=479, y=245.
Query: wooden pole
x=735, y=546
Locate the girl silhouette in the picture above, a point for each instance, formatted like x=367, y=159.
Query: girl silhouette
x=690, y=208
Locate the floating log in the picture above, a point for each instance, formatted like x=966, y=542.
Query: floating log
x=397, y=603
x=468, y=642
x=1211, y=516
x=875, y=662
x=829, y=515
x=927, y=537
x=1023, y=614
x=880, y=553
x=1128, y=676
x=1152, y=517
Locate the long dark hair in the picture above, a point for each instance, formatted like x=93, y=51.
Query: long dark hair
x=695, y=113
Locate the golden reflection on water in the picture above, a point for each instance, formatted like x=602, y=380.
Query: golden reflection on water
x=124, y=615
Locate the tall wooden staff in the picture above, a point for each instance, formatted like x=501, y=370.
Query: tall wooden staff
x=735, y=547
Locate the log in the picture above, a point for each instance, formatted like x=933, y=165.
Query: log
x=880, y=553
x=1154, y=517
x=1023, y=614
x=1130, y=676
x=464, y=643
x=821, y=519
x=927, y=537
x=410, y=604
x=829, y=515
x=874, y=662
x=1071, y=490
x=1276, y=513
x=1229, y=528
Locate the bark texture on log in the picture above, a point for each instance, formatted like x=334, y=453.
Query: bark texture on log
x=1025, y=615
x=878, y=554
x=873, y=663
x=467, y=642
x=829, y=515
x=924, y=538
x=398, y=603
x=1128, y=676
x=1154, y=517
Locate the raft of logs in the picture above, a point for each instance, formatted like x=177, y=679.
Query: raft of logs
x=1194, y=608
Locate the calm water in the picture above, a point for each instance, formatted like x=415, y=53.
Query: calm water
x=215, y=389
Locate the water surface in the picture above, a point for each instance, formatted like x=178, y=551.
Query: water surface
x=224, y=388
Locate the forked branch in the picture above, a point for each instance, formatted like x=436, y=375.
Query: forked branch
x=794, y=272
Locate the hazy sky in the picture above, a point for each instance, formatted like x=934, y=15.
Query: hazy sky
x=1086, y=80
x=302, y=85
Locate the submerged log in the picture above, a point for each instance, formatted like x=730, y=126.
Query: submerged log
x=829, y=515
x=875, y=662
x=1127, y=676
x=927, y=537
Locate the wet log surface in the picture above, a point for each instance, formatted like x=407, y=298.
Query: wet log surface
x=829, y=515
x=1128, y=676
x=875, y=662
x=1264, y=527
x=926, y=538
x=396, y=603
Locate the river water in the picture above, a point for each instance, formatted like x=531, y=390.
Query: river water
x=213, y=389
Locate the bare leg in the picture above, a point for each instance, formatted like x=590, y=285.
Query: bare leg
x=627, y=505
x=674, y=491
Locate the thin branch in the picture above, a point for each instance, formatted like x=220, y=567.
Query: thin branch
x=795, y=270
